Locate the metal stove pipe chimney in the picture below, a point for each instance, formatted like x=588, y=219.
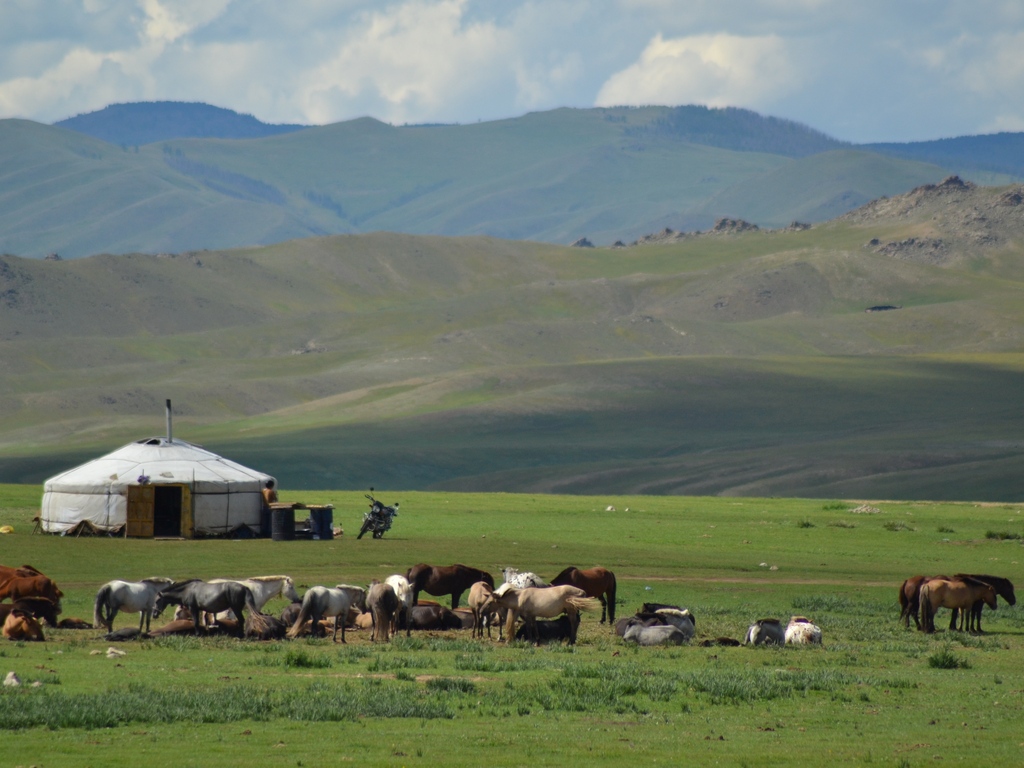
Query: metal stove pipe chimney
x=169, y=439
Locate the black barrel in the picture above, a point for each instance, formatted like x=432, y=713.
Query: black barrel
x=282, y=524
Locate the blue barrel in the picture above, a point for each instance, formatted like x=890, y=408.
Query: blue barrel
x=322, y=523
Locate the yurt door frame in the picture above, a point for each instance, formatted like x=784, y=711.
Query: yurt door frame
x=159, y=510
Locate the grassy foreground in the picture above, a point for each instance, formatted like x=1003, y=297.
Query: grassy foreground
x=873, y=693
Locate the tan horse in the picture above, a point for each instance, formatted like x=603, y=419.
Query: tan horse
x=481, y=603
x=955, y=593
x=532, y=603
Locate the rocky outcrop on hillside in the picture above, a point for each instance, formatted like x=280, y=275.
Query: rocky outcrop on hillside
x=952, y=221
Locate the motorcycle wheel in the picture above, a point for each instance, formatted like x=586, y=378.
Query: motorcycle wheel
x=378, y=534
x=364, y=529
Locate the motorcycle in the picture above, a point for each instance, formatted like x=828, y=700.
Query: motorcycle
x=378, y=519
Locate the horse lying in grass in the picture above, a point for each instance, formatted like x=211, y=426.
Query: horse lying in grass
x=21, y=625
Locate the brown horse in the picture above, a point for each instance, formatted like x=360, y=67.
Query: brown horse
x=31, y=586
x=438, y=580
x=596, y=582
x=1003, y=588
x=910, y=598
x=945, y=593
x=37, y=607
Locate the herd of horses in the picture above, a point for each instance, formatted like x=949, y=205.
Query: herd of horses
x=542, y=610
x=920, y=597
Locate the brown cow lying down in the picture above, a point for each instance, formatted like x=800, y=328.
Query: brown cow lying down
x=21, y=625
x=37, y=607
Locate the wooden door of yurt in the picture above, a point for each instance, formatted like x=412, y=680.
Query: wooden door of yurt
x=160, y=510
x=141, y=500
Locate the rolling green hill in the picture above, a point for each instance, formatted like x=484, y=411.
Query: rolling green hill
x=608, y=174
x=719, y=363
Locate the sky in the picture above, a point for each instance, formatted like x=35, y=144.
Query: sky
x=861, y=71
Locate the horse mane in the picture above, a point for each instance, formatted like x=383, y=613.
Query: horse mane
x=158, y=580
x=1003, y=587
x=268, y=578
x=564, y=575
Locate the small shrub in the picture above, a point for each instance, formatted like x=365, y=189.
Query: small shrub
x=1002, y=535
x=300, y=659
x=834, y=506
x=804, y=524
x=897, y=525
x=946, y=659
x=453, y=684
x=841, y=524
x=945, y=529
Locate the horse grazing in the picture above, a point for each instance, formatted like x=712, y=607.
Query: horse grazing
x=532, y=603
x=21, y=625
x=198, y=596
x=952, y=593
x=263, y=589
x=439, y=580
x=119, y=595
x=910, y=598
x=403, y=591
x=1003, y=588
x=383, y=604
x=319, y=602
x=596, y=582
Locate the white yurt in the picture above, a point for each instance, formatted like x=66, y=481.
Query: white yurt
x=157, y=486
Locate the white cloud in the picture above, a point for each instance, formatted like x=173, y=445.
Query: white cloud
x=717, y=70
x=873, y=70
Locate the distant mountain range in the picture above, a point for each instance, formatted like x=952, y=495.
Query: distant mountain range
x=171, y=177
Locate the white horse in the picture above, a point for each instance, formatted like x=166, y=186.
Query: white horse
x=403, y=590
x=119, y=595
x=263, y=589
x=522, y=579
x=319, y=602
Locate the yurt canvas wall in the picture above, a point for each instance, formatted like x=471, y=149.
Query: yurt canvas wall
x=155, y=487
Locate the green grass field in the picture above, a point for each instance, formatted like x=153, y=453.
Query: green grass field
x=874, y=692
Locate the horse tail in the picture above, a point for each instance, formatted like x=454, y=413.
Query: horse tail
x=584, y=603
x=303, y=617
x=256, y=621
x=925, y=607
x=98, y=619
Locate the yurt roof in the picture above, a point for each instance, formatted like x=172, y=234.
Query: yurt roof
x=157, y=460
